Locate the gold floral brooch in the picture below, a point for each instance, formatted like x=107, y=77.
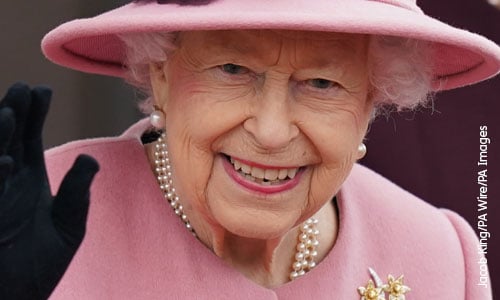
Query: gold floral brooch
x=376, y=290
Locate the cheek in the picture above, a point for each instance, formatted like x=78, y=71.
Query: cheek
x=195, y=123
x=335, y=137
x=190, y=164
x=337, y=133
x=205, y=110
x=199, y=121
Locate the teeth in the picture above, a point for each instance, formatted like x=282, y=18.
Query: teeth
x=254, y=173
x=246, y=169
x=237, y=165
x=257, y=173
x=250, y=177
x=283, y=173
x=271, y=174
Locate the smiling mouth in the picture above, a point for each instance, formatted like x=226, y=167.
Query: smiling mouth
x=263, y=176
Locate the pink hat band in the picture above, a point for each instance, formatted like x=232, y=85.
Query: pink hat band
x=91, y=45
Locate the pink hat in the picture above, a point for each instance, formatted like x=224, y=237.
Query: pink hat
x=91, y=45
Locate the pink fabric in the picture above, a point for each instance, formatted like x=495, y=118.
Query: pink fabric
x=137, y=248
x=91, y=45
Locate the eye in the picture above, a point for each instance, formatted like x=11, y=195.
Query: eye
x=321, y=83
x=234, y=69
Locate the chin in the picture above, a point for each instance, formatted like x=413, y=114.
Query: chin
x=255, y=224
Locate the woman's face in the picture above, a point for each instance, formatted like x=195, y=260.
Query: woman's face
x=243, y=106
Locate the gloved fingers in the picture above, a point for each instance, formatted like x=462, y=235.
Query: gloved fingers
x=33, y=147
x=6, y=128
x=18, y=98
x=40, y=102
x=6, y=166
x=14, y=92
x=70, y=207
x=9, y=216
x=6, y=131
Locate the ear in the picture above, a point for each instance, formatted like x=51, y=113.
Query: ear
x=159, y=84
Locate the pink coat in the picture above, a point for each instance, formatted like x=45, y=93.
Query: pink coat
x=137, y=248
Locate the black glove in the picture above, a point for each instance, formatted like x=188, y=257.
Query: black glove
x=39, y=233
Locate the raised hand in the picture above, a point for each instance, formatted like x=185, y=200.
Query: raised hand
x=39, y=233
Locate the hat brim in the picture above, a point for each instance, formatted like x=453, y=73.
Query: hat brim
x=91, y=45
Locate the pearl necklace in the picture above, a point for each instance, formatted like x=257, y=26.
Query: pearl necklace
x=308, y=237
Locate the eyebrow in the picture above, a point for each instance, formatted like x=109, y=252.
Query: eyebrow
x=329, y=53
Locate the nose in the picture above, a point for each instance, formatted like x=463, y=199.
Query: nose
x=271, y=123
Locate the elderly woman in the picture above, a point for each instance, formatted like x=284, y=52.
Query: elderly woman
x=258, y=114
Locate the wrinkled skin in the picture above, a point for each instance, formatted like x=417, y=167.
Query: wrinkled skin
x=275, y=98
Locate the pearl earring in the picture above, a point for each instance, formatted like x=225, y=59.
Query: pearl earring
x=157, y=119
x=361, y=150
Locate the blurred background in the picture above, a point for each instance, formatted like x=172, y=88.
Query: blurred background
x=433, y=154
x=83, y=105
